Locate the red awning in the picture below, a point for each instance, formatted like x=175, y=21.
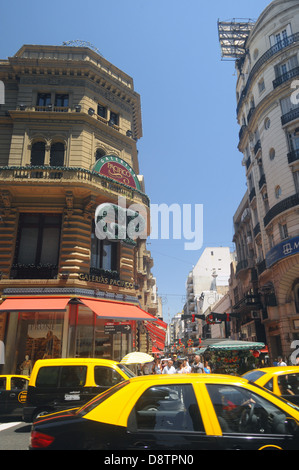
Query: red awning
x=32, y=304
x=157, y=334
x=118, y=310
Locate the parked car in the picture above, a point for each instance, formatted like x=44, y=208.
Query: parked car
x=281, y=380
x=173, y=413
x=13, y=391
x=58, y=384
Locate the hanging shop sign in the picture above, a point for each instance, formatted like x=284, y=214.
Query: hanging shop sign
x=117, y=169
x=106, y=280
x=112, y=328
x=282, y=250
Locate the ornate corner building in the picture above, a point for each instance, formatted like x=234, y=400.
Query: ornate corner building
x=68, y=132
x=267, y=228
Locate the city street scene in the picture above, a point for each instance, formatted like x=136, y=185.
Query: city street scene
x=149, y=228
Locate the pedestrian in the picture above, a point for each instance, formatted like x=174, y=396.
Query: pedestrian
x=180, y=369
x=157, y=367
x=207, y=368
x=281, y=362
x=186, y=367
x=169, y=369
x=197, y=366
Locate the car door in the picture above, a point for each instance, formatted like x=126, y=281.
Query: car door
x=288, y=385
x=167, y=417
x=3, y=393
x=15, y=395
x=248, y=421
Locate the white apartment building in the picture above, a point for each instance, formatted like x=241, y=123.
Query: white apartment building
x=268, y=114
x=206, y=284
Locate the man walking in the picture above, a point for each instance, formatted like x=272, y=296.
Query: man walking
x=169, y=369
x=197, y=366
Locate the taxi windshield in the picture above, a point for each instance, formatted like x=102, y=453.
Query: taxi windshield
x=100, y=399
x=126, y=370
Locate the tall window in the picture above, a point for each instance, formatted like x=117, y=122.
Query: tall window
x=38, y=239
x=62, y=100
x=38, y=154
x=43, y=99
x=103, y=253
x=57, y=154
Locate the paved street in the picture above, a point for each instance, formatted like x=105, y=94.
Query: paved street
x=14, y=435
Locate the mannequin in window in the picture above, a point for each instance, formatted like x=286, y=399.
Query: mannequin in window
x=26, y=366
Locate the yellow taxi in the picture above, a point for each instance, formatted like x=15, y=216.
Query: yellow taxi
x=174, y=412
x=58, y=384
x=281, y=380
x=13, y=391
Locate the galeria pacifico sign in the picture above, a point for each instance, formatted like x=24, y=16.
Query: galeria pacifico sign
x=106, y=280
x=117, y=169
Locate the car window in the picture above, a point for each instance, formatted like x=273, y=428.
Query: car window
x=73, y=376
x=2, y=383
x=241, y=411
x=126, y=370
x=288, y=384
x=253, y=375
x=47, y=377
x=269, y=385
x=106, y=376
x=167, y=408
x=17, y=383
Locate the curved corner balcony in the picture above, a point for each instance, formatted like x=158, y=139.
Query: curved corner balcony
x=278, y=47
x=69, y=175
x=290, y=116
x=282, y=206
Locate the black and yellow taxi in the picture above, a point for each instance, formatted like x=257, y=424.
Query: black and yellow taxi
x=13, y=391
x=58, y=384
x=281, y=380
x=174, y=412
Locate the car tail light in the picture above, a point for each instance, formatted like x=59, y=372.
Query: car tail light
x=40, y=440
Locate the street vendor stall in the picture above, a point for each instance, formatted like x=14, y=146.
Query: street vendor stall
x=230, y=356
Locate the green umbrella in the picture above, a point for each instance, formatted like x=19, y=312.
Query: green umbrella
x=226, y=344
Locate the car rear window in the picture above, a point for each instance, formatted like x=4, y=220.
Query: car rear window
x=61, y=376
x=253, y=375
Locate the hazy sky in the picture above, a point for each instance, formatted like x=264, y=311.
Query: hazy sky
x=188, y=153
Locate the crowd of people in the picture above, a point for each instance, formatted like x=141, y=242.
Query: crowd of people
x=173, y=365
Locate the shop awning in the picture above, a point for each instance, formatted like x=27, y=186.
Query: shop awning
x=117, y=310
x=32, y=304
x=157, y=333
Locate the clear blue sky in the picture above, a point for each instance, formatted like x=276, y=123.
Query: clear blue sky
x=188, y=153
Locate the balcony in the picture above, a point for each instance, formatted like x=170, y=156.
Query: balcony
x=248, y=163
x=290, y=116
x=262, y=181
x=241, y=265
x=251, y=111
x=70, y=176
x=293, y=156
x=257, y=230
x=266, y=56
x=252, y=195
x=242, y=130
x=257, y=146
x=285, y=77
x=288, y=203
x=29, y=271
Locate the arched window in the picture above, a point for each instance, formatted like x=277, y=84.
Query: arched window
x=57, y=154
x=100, y=153
x=38, y=154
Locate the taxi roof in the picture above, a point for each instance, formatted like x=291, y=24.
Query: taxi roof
x=206, y=378
x=75, y=360
x=276, y=370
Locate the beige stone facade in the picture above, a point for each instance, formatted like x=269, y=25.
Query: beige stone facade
x=66, y=110
x=268, y=114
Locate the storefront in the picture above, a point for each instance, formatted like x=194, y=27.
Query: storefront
x=33, y=328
